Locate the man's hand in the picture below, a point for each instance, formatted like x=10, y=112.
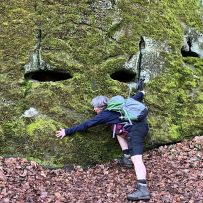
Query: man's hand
x=61, y=133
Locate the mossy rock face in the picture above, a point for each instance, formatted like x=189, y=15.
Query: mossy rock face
x=55, y=56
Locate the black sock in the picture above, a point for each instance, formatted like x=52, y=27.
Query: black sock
x=126, y=151
x=142, y=181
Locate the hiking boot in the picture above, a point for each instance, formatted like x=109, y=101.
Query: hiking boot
x=125, y=161
x=141, y=193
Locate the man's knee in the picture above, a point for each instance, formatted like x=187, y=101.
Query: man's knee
x=137, y=157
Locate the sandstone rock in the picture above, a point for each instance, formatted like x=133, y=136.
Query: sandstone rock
x=56, y=56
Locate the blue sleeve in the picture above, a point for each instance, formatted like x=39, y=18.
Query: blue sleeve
x=100, y=118
x=138, y=96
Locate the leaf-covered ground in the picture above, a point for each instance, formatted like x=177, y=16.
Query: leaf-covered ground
x=175, y=174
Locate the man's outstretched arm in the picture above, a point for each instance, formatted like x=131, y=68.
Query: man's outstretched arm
x=98, y=119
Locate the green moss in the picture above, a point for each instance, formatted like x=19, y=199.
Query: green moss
x=48, y=164
x=2, y=137
x=41, y=126
x=174, y=132
x=91, y=43
x=12, y=140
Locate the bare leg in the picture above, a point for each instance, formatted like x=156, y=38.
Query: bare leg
x=140, y=169
x=123, y=142
x=125, y=159
x=141, y=192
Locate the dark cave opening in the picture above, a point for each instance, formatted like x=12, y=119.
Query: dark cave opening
x=48, y=76
x=124, y=76
x=189, y=53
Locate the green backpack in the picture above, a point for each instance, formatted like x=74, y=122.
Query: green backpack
x=130, y=109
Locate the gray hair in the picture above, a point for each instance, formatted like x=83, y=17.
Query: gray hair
x=99, y=101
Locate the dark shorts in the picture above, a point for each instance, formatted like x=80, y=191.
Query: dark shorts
x=136, y=136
